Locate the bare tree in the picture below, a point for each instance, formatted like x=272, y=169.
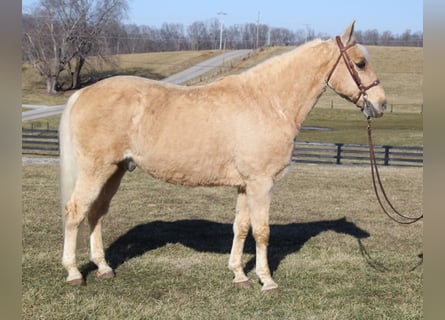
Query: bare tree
x=282, y=36
x=172, y=35
x=198, y=35
x=60, y=34
x=371, y=37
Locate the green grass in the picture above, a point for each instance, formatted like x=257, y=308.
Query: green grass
x=169, y=267
x=346, y=126
x=350, y=126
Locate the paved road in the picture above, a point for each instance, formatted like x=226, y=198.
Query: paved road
x=205, y=66
x=40, y=111
x=178, y=78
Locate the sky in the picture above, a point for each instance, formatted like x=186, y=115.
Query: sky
x=323, y=16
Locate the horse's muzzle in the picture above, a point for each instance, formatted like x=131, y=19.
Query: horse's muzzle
x=371, y=110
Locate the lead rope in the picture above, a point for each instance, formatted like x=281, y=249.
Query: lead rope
x=402, y=219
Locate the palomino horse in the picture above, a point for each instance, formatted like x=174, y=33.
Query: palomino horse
x=237, y=131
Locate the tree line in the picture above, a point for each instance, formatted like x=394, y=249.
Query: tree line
x=58, y=35
x=205, y=35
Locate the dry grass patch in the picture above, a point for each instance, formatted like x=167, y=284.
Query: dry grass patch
x=400, y=69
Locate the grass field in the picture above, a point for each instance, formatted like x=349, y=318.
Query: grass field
x=349, y=126
x=170, y=246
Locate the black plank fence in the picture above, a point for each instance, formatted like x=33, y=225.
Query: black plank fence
x=356, y=154
x=45, y=142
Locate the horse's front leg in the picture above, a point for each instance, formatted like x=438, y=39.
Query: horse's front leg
x=241, y=227
x=258, y=199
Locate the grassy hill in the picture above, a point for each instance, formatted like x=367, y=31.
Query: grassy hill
x=400, y=69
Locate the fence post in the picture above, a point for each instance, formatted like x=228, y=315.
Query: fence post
x=386, y=159
x=332, y=104
x=338, y=157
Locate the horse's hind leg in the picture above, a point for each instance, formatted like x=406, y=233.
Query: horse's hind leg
x=76, y=209
x=74, y=215
x=241, y=227
x=86, y=198
x=100, y=208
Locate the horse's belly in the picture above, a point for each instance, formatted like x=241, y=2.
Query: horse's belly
x=201, y=172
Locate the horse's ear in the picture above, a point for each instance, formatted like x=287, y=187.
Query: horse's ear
x=348, y=35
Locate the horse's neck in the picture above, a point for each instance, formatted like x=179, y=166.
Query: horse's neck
x=294, y=82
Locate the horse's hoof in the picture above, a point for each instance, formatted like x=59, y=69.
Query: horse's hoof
x=270, y=291
x=270, y=288
x=243, y=284
x=106, y=275
x=76, y=282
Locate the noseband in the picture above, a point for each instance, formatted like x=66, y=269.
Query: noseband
x=353, y=72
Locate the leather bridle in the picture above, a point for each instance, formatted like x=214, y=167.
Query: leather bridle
x=353, y=72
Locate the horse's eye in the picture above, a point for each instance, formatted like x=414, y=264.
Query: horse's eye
x=361, y=64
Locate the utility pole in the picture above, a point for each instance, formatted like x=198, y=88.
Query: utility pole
x=221, y=22
x=257, y=29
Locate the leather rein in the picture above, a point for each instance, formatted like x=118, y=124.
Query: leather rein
x=398, y=217
x=377, y=183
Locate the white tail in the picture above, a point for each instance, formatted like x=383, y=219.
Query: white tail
x=68, y=166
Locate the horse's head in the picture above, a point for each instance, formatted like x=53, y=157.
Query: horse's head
x=352, y=77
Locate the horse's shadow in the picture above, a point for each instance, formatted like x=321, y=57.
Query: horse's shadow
x=208, y=236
